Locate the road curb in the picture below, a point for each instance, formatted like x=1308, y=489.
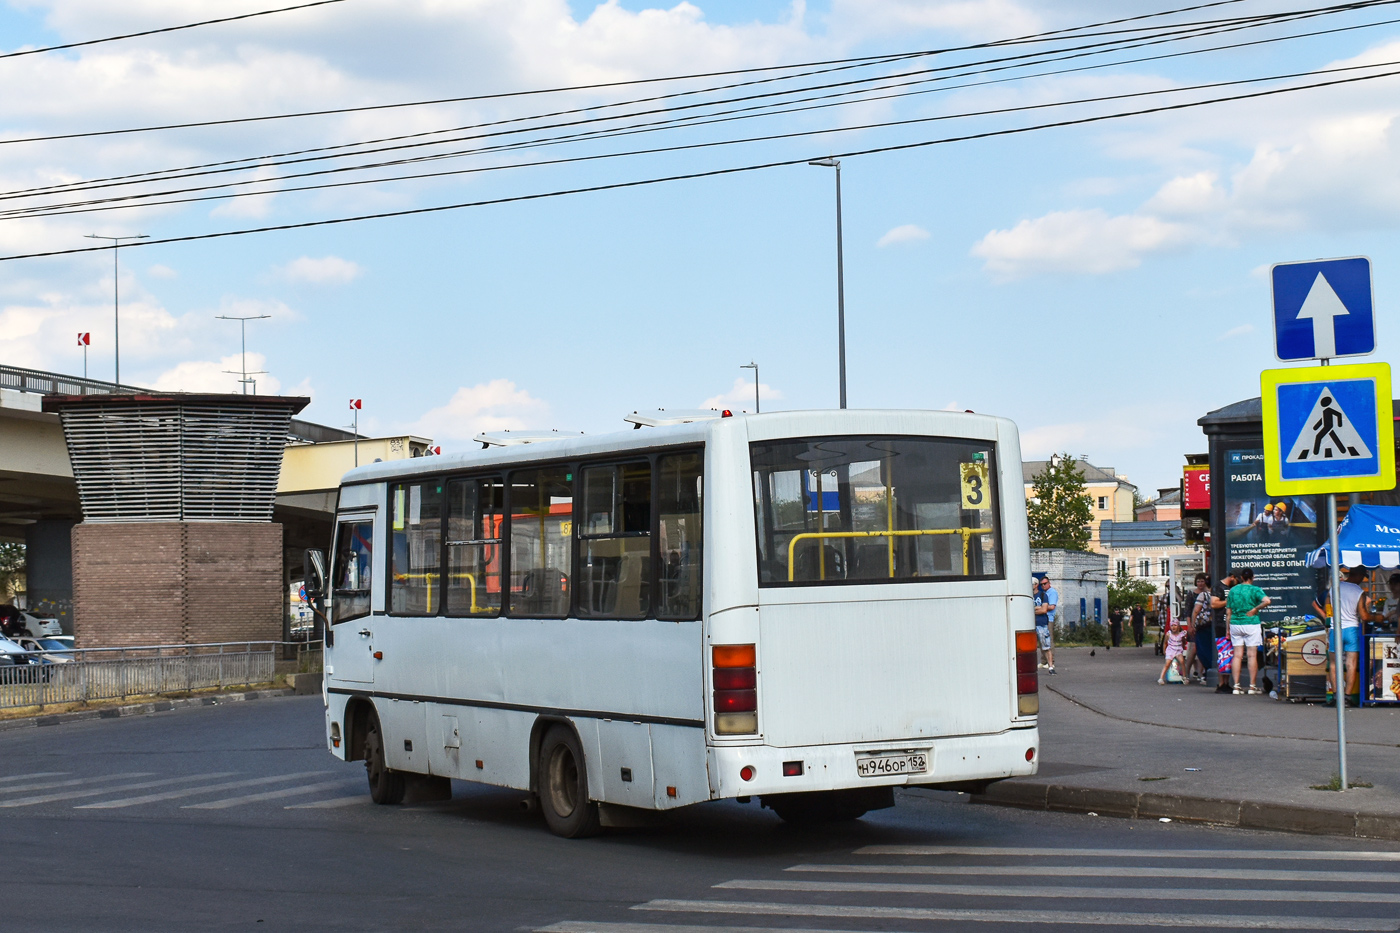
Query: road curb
x=144, y=709
x=1245, y=814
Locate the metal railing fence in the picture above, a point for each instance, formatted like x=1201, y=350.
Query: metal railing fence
x=116, y=673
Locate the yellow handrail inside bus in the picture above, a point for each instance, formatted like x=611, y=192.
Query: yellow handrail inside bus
x=965, y=533
x=470, y=578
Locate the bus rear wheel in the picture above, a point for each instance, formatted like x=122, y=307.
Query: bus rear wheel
x=385, y=785
x=562, y=781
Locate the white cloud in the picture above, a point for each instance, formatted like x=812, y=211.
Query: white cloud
x=161, y=272
x=1110, y=434
x=328, y=270
x=217, y=376
x=740, y=395
x=1237, y=332
x=1080, y=241
x=871, y=18
x=487, y=406
x=906, y=233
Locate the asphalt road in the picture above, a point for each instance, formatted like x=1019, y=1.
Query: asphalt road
x=235, y=818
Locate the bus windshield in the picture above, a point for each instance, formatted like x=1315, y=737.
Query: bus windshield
x=875, y=509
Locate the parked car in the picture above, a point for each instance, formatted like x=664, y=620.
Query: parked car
x=51, y=649
x=20, y=666
x=15, y=622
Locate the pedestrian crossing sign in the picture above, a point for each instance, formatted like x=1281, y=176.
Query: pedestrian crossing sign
x=1328, y=430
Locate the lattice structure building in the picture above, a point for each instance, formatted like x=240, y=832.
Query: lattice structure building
x=177, y=543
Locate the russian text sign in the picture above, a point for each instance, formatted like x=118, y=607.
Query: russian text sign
x=1328, y=430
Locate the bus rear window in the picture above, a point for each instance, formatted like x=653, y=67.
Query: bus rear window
x=875, y=509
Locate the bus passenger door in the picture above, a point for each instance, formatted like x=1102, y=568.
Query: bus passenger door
x=351, y=656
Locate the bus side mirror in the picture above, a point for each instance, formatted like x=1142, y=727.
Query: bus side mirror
x=313, y=564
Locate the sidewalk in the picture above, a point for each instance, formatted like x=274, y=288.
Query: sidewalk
x=1114, y=742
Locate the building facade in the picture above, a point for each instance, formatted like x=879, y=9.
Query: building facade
x=1080, y=577
x=1145, y=550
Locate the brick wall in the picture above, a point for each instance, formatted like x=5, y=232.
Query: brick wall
x=162, y=583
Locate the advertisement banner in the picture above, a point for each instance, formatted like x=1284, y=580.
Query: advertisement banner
x=1269, y=534
x=1195, y=487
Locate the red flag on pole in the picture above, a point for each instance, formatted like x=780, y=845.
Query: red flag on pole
x=84, y=339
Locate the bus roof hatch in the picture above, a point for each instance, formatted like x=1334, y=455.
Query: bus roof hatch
x=660, y=416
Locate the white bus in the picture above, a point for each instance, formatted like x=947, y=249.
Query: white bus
x=808, y=607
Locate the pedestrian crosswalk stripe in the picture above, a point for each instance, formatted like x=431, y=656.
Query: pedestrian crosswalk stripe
x=35, y=774
x=265, y=795
x=327, y=804
x=95, y=792
x=194, y=791
x=1117, y=871
x=1083, y=917
x=1062, y=891
x=73, y=782
x=1309, y=855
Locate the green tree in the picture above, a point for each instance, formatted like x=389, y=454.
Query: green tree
x=1124, y=592
x=1060, y=511
x=11, y=567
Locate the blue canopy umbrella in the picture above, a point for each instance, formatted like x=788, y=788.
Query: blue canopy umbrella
x=1368, y=537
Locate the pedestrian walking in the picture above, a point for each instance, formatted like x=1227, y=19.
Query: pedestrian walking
x=1046, y=605
x=1115, y=629
x=1175, y=650
x=1139, y=625
x=1246, y=628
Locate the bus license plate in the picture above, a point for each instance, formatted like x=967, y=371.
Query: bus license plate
x=886, y=765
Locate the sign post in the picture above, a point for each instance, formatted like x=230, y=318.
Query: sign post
x=1332, y=430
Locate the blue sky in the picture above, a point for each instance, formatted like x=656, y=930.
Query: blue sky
x=1102, y=285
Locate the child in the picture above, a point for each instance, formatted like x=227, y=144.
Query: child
x=1175, y=650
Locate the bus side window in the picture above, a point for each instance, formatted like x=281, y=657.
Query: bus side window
x=475, y=508
x=680, y=506
x=351, y=574
x=415, y=536
x=614, y=571
x=541, y=539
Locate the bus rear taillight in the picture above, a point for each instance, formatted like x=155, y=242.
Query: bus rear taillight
x=1027, y=680
x=735, y=689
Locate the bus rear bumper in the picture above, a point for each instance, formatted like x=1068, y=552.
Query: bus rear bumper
x=952, y=760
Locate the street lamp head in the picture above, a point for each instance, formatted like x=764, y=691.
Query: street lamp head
x=826, y=163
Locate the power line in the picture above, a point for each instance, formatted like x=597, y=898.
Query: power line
x=96, y=205
x=165, y=29
x=860, y=60
x=236, y=165
x=711, y=173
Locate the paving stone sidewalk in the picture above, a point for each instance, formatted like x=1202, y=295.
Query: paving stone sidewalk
x=1114, y=742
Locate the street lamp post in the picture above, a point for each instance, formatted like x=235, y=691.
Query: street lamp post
x=754, y=366
x=116, y=304
x=840, y=279
x=243, y=327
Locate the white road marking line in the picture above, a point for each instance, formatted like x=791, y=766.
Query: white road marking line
x=1085, y=917
x=193, y=791
x=36, y=774
x=74, y=782
x=1305, y=855
x=1116, y=871
x=94, y=792
x=265, y=795
x=1099, y=892
x=327, y=804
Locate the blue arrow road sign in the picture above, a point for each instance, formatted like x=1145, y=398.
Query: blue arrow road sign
x=1323, y=309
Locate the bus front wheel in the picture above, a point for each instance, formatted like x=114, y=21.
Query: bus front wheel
x=385, y=785
x=562, y=781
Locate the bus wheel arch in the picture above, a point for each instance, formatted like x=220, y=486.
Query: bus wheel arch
x=559, y=776
x=356, y=718
x=386, y=785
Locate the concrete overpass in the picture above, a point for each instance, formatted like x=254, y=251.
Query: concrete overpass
x=39, y=497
